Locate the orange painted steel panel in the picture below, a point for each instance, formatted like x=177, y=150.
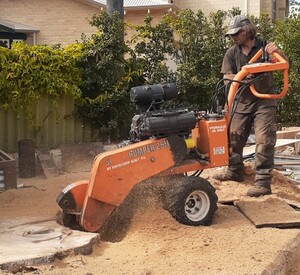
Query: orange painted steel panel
x=211, y=139
x=95, y=214
x=186, y=166
x=77, y=191
x=114, y=173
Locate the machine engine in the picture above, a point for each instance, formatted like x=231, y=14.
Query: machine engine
x=153, y=119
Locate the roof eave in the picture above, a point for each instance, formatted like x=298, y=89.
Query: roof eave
x=28, y=31
x=94, y=3
x=156, y=7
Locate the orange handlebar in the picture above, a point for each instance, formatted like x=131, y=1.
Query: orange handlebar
x=253, y=68
x=281, y=64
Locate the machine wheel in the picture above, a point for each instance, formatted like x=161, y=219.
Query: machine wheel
x=196, y=173
x=192, y=201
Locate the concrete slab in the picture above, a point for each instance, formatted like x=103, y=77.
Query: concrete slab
x=288, y=133
x=47, y=163
x=270, y=212
x=39, y=240
x=250, y=150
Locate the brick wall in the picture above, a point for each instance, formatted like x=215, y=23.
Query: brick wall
x=253, y=7
x=137, y=17
x=281, y=10
x=207, y=5
x=267, y=7
x=62, y=21
x=59, y=21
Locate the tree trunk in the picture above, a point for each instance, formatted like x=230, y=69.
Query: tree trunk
x=116, y=5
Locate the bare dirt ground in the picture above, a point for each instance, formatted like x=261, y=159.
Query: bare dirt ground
x=145, y=239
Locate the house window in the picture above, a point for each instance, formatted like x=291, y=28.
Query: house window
x=6, y=38
x=4, y=43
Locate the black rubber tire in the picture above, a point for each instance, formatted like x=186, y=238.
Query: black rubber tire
x=191, y=200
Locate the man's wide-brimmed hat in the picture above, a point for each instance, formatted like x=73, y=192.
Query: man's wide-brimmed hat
x=236, y=23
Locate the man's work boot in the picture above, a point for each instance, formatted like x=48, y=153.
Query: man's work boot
x=228, y=175
x=260, y=188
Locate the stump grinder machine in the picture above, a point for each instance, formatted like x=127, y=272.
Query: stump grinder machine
x=177, y=143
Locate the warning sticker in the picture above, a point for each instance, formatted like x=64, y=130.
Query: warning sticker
x=219, y=150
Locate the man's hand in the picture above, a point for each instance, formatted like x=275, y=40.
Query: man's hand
x=271, y=48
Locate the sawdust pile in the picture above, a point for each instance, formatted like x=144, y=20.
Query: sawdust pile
x=142, y=237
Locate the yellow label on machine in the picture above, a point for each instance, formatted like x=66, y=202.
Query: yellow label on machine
x=190, y=143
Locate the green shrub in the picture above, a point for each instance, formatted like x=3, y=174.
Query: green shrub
x=28, y=72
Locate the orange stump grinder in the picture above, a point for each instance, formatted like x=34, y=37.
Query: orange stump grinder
x=164, y=143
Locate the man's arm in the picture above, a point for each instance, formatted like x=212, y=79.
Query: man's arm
x=229, y=69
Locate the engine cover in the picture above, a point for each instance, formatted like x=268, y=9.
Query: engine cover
x=162, y=123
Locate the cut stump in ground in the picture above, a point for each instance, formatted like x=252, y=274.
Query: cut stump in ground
x=38, y=240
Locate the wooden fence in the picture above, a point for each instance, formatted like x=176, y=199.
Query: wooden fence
x=52, y=131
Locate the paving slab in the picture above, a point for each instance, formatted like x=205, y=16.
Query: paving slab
x=271, y=212
x=47, y=163
x=38, y=240
x=250, y=150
